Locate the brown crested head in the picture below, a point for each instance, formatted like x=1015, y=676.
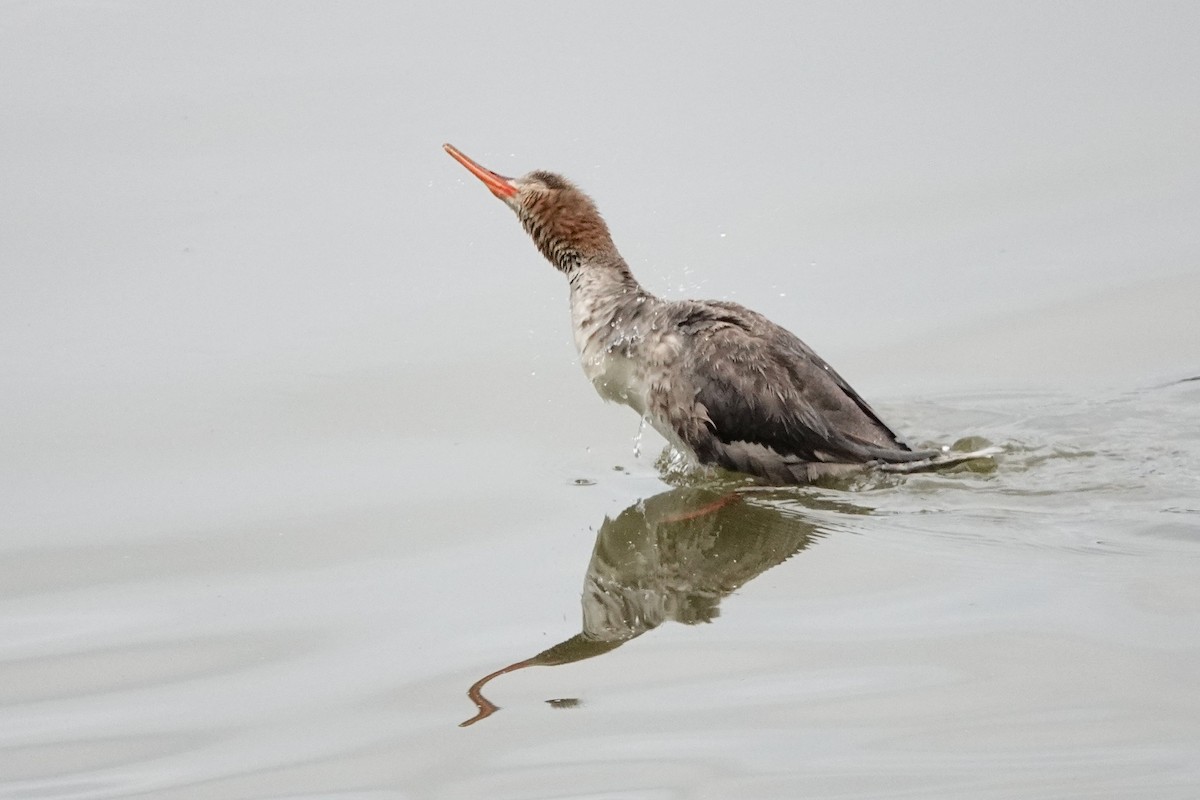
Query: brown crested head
x=563, y=221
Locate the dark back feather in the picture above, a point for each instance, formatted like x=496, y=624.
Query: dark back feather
x=760, y=384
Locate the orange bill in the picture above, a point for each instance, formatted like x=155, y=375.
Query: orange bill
x=499, y=185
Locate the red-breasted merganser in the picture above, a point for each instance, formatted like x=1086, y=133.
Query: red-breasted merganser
x=720, y=382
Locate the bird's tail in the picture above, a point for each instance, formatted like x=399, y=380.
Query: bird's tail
x=938, y=460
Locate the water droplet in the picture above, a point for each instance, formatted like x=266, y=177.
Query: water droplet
x=584, y=482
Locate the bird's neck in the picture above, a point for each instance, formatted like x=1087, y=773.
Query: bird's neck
x=603, y=284
x=608, y=305
x=602, y=273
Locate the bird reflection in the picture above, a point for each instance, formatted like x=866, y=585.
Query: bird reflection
x=674, y=556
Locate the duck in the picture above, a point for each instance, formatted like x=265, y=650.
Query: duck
x=724, y=385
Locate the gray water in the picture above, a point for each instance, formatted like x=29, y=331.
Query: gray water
x=295, y=451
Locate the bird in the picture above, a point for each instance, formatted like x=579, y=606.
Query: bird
x=721, y=383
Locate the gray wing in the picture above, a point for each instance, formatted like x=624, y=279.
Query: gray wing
x=766, y=404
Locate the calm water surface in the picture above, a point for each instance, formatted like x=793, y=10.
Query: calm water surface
x=1025, y=628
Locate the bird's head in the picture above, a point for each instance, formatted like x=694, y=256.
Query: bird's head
x=563, y=221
